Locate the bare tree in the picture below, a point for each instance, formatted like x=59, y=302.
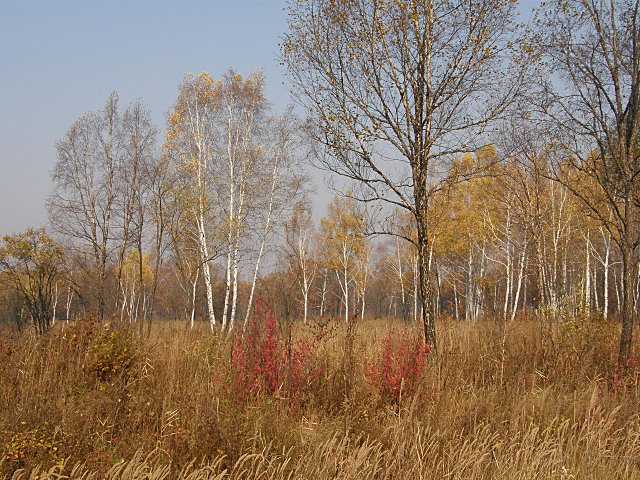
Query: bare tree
x=99, y=185
x=593, y=102
x=81, y=205
x=133, y=182
x=398, y=89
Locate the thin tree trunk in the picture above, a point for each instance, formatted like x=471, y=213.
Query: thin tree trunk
x=193, y=298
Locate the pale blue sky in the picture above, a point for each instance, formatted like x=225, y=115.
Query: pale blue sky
x=61, y=58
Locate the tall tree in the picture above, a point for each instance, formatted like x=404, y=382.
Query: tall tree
x=189, y=143
x=398, y=89
x=593, y=101
x=81, y=206
x=238, y=172
x=98, y=185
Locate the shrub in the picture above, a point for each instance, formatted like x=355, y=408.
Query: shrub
x=36, y=444
x=112, y=354
x=395, y=374
x=263, y=362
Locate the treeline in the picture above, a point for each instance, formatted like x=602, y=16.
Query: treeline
x=140, y=227
x=511, y=242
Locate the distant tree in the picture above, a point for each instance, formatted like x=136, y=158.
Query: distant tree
x=98, y=186
x=344, y=244
x=300, y=233
x=33, y=262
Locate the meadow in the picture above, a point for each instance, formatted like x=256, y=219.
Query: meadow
x=532, y=398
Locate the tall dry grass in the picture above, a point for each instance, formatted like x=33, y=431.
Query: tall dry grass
x=534, y=400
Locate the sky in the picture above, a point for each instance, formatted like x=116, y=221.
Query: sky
x=60, y=59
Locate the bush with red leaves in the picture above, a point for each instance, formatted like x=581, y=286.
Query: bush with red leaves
x=262, y=362
x=395, y=374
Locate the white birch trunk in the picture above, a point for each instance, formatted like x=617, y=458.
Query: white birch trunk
x=605, y=267
x=55, y=303
x=69, y=300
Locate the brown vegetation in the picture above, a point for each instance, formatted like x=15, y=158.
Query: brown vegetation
x=87, y=400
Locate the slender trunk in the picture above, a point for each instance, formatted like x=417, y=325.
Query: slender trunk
x=324, y=292
x=234, y=272
x=605, y=288
x=401, y=280
x=265, y=234
x=587, y=276
x=230, y=221
x=626, y=335
x=455, y=299
x=206, y=272
x=69, y=299
x=255, y=277
x=616, y=283
x=159, y=224
x=438, y=301
x=469, y=288
x=55, y=304
x=514, y=308
x=479, y=295
x=193, y=298
x=236, y=248
x=416, y=283
x=507, y=289
x=346, y=292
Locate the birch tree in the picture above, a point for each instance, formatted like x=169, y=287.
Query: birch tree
x=299, y=235
x=190, y=143
x=237, y=161
x=343, y=244
x=279, y=184
x=81, y=206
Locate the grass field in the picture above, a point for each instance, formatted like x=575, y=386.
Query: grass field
x=534, y=400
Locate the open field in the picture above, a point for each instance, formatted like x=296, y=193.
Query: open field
x=88, y=401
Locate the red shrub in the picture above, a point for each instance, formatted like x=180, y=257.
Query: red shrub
x=263, y=362
x=396, y=373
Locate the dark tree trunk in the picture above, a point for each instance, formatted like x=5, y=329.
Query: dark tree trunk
x=628, y=268
x=426, y=287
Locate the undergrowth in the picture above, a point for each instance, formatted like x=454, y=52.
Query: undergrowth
x=364, y=399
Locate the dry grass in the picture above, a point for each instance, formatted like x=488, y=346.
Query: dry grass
x=85, y=401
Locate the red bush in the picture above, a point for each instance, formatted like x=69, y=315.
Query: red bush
x=396, y=373
x=262, y=362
